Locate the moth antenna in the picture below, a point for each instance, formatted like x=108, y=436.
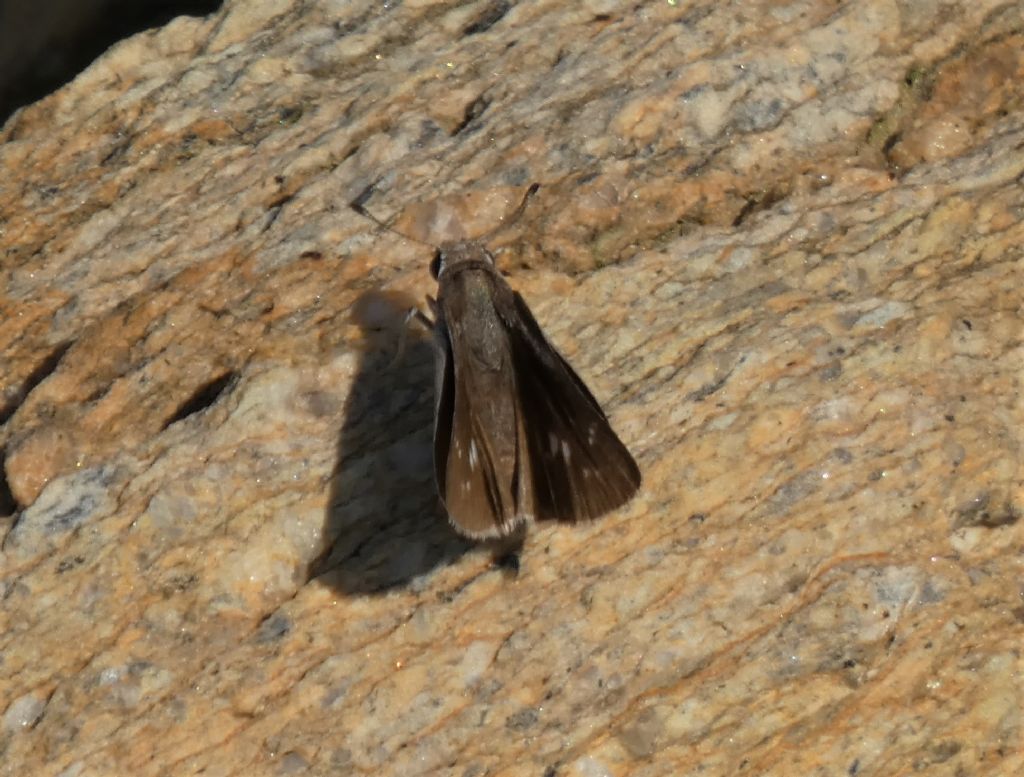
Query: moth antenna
x=359, y=206
x=515, y=215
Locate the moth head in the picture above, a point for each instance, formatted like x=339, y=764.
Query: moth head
x=456, y=254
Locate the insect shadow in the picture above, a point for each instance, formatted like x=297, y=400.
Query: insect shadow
x=385, y=519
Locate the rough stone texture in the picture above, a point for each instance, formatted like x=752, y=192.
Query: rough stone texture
x=781, y=241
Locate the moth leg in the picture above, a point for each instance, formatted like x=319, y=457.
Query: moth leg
x=506, y=551
x=429, y=323
x=421, y=318
x=414, y=315
x=434, y=309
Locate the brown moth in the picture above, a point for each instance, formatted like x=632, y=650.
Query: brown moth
x=518, y=436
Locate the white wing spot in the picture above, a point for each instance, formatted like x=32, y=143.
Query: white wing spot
x=553, y=442
x=591, y=434
x=565, y=451
x=472, y=454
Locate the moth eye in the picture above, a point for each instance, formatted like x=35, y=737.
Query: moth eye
x=435, y=265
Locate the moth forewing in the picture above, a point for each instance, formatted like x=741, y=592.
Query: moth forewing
x=478, y=480
x=581, y=468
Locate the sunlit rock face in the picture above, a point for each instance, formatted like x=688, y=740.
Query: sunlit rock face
x=781, y=244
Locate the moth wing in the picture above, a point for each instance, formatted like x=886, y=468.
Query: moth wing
x=579, y=467
x=465, y=463
x=444, y=406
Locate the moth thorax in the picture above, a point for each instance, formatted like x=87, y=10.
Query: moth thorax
x=461, y=253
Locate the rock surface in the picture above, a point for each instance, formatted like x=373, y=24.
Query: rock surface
x=782, y=243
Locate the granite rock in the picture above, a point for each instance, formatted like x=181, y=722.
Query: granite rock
x=782, y=243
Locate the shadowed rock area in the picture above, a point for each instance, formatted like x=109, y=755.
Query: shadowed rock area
x=781, y=243
x=46, y=43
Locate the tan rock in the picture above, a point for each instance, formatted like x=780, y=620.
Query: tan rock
x=782, y=245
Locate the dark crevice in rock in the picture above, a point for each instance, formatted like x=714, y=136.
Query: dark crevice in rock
x=473, y=112
x=43, y=370
x=493, y=13
x=202, y=397
x=8, y=505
